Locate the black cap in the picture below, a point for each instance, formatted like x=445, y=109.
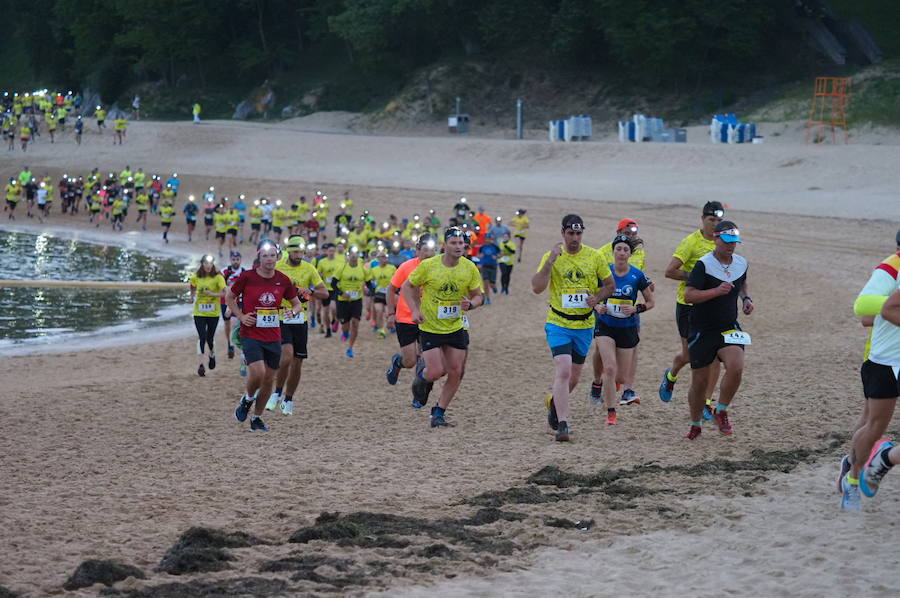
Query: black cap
x=622, y=239
x=572, y=222
x=714, y=208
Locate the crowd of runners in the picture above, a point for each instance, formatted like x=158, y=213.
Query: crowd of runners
x=45, y=116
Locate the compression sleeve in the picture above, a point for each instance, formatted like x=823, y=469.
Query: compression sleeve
x=880, y=285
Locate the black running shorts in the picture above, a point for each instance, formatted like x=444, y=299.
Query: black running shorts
x=625, y=337
x=407, y=334
x=457, y=340
x=347, y=310
x=704, y=347
x=683, y=318
x=879, y=381
x=296, y=335
x=255, y=350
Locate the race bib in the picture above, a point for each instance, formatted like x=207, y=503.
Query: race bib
x=736, y=337
x=382, y=290
x=330, y=279
x=267, y=318
x=574, y=299
x=448, y=310
x=614, y=307
x=206, y=308
x=299, y=318
x=353, y=294
x=465, y=321
x=505, y=259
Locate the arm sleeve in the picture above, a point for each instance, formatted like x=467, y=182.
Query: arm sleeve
x=698, y=274
x=873, y=296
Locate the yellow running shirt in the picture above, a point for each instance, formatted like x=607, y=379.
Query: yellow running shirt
x=327, y=268
x=166, y=213
x=382, y=276
x=573, y=279
x=304, y=278
x=689, y=251
x=442, y=290
x=351, y=280
x=520, y=226
x=220, y=221
x=207, y=305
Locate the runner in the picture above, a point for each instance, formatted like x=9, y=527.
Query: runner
x=231, y=272
x=256, y=214
x=488, y=255
x=871, y=456
x=207, y=286
x=616, y=329
x=400, y=316
x=13, y=196
x=520, y=230
x=262, y=289
x=295, y=331
x=438, y=291
x=507, y=249
x=326, y=267
x=348, y=281
x=143, y=204
x=578, y=280
x=209, y=210
x=689, y=251
x=220, y=221
x=120, y=125
x=166, y=214
x=629, y=228
x=718, y=282
x=380, y=276
x=190, y=210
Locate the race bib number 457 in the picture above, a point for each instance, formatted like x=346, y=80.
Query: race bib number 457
x=267, y=318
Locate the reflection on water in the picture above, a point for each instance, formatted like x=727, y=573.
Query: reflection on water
x=30, y=312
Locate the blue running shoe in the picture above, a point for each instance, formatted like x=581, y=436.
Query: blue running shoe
x=257, y=424
x=562, y=432
x=708, y=412
x=349, y=352
x=243, y=409
x=438, y=420
x=393, y=372
x=845, y=469
x=417, y=405
x=666, y=388
x=871, y=475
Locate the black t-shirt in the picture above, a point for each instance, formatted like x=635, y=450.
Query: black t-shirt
x=721, y=313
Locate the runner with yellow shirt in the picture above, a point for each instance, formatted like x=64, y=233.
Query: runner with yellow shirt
x=256, y=214
x=206, y=286
x=295, y=330
x=438, y=291
x=143, y=204
x=348, y=283
x=118, y=213
x=326, y=267
x=380, y=274
x=220, y=222
x=278, y=216
x=13, y=196
x=520, y=231
x=578, y=279
x=166, y=214
x=687, y=254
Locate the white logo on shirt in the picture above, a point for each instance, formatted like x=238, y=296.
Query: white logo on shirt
x=267, y=299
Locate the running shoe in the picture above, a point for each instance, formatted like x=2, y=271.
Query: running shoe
x=243, y=409
x=708, y=413
x=562, y=432
x=312, y=322
x=393, y=372
x=438, y=421
x=666, y=388
x=552, y=420
x=416, y=404
x=212, y=362
x=494, y=289
x=230, y=352
x=287, y=407
x=201, y=371
x=487, y=300
x=845, y=469
x=335, y=325
x=851, y=499
x=349, y=353
x=694, y=432
x=382, y=333
x=258, y=424
x=272, y=403
x=725, y=426
x=328, y=333
x=611, y=418
x=596, y=395
x=629, y=397
x=345, y=336
x=419, y=386
x=871, y=475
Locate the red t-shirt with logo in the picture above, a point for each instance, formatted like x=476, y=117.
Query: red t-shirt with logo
x=266, y=294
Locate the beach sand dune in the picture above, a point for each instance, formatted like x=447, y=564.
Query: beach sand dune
x=115, y=453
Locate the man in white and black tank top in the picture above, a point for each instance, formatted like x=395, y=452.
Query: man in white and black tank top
x=716, y=286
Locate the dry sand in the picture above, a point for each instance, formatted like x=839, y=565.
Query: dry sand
x=114, y=453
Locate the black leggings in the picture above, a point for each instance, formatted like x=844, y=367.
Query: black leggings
x=206, y=330
x=505, y=273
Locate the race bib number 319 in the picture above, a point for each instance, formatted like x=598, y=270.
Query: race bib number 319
x=448, y=310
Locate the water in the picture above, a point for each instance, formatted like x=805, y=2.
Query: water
x=32, y=316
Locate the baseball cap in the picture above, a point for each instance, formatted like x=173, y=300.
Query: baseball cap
x=572, y=222
x=235, y=254
x=714, y=208
x=626, y=223
x=728, y=232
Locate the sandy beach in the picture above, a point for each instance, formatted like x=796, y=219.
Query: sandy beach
x=115, y=453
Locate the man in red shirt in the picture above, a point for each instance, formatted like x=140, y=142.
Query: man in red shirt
x=399, y=314
x=262, y=290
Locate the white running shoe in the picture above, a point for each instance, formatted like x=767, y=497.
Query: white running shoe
x=287, y=407
x=273, y=401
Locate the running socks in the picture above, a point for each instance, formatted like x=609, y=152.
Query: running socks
x=698, y=424
x=852, y=481
x=720, y=407
x=278, y=391
x=670, y=377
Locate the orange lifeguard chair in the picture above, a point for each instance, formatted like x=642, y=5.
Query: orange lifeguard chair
x=829, y=106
